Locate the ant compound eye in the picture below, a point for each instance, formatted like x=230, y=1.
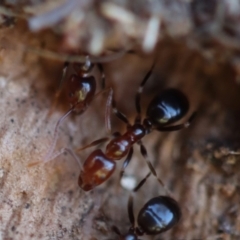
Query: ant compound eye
x=167, y=107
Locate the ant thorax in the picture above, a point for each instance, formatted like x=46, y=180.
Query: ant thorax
x=80, y=91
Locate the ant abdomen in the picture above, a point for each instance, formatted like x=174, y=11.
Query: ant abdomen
x=167, y=107
x=80, y=91
x=158, y=215
x=96, y=169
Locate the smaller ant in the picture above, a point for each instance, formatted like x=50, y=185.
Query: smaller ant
x=80, y=89
x=158, y=215
x=165, y=108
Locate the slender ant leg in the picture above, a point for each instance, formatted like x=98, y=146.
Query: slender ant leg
x=150, y=166
x=116, y=230
x=141, y=183
x=126, y=162
x=96, y=142
x=130, y=211
x=56, y=98
x=71, y=152
x=55, y=137
x=92, y=144
x=57, y=94
x=108, y=112
x=103, y=82
x=139, y=93
x=119, y=114
x=111, y=104
x=109, y=99
x=56, y=154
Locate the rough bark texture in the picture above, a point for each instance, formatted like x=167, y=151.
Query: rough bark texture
x=200, y=165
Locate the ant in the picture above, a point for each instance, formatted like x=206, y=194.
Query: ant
x=165, y=108
x=158, y=215
x=80, y=89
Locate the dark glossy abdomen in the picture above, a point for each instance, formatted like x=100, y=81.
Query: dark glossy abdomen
x=167, y=107
x=158, y=215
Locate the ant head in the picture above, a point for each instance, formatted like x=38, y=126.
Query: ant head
x=131, y=235
x=167, y=107
x=83, y=68
x=158, y=215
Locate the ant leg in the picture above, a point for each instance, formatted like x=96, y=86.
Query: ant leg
x=70, y=152
x=126, y=162
x=116, y=230
x=130, y=211
x=177, y=127
x=138, y=95
x=116, y=134
x=111, y=103
x=94, y=143
x=60, y=152
x=58, y=92
x=109, y=100
x=108, y=107
x=108, y=111
x=55, y=136
x=142, y=182
x=100, y=67
x=120, y=115
x=150, y=166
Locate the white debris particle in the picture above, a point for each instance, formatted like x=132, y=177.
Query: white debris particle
x=128, y=182
x=151, y=35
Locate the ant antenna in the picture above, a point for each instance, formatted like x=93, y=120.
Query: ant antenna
x=70, y=151
x=48, y=156
x=139, y=93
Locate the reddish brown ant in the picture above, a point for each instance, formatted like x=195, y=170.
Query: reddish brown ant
x=164, y=109
x=80, y=89
x=158, y=215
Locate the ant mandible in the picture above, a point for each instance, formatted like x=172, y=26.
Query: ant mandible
x=158, y=215
x=80, y=89
x=165, y=108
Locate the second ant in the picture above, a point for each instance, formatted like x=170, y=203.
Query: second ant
x=80, y=91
